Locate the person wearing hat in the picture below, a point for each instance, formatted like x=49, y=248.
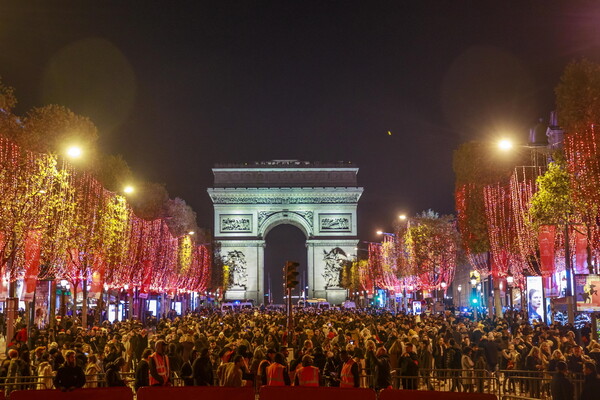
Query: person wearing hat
x=307, y=374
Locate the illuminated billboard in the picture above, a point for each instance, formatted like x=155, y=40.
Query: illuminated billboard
x=586, y=292
x=535, y=299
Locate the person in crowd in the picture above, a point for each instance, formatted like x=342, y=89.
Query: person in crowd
x=92, y=371
x=261, y=370
x=202, y=369
x=13, y=373
x=277, y=372
x=113, y=373
x=349, y=373
x=307, y=374
x=382, y=374
x=561, y=387
x=70, y=376
x=591, y=383
x=142, y=370
x=45, y=372
x=158, y=365
x=230, y=373
x=468, y=366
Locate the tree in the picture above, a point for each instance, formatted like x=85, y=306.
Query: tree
x=10, y=124
x=578, y=96
x=433, y=241
x=32, y=190
x=180, y=217
x=477, y=165
x=53, y=128
x=114, y=173
x=149, y=200
x=553, y=202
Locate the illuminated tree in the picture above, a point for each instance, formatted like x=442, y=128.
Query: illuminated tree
x=32, y=190
x=433, y=241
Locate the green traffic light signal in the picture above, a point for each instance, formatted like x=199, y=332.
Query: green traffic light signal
x=291, y=273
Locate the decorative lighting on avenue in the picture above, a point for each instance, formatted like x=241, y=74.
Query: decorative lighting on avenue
x=128, y=189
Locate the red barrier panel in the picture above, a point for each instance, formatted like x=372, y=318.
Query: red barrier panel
x=194, y=392
x=314, y=393
x=112, y=393
x=393, y=394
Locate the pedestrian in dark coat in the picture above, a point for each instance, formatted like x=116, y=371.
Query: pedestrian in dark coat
x=202, y=370
x=591, y=382
x=113, y=375
x=70, y=376
x=561, y=387
x=142, y=371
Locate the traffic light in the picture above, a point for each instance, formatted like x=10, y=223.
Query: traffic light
x=291, y=274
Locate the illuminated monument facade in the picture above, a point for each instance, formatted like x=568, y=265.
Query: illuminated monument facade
x=251, y=199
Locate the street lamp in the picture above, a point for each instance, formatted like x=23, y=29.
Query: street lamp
x=510, y=279
x=473, y=280
x=402, y=217
x=74, y=152
x=386, y=233
x=128, y=189
x=505, y=144
x=459, y=288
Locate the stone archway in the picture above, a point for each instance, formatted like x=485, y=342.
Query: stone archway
x=319, y=199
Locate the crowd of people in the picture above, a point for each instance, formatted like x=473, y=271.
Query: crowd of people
x=357, y=348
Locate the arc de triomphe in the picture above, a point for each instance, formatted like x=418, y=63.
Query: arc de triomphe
x=251, y=199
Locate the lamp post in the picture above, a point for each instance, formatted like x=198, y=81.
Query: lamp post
x=474, y=299
x=459, y=289
x=510, y=279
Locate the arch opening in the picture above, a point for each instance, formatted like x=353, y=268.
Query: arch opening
x=283, y=242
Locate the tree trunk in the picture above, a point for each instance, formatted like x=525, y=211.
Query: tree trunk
x=52, y=311
x=497, y=298
x=74, y=297
x=84, y=307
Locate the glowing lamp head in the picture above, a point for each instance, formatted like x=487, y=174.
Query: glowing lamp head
x=510, y=279
x=402, y=217
x=459, y=288
x=74, y=152
x=380, y=232
x=505, y=145
x=128, y=189
x=191, y=233
x=443, y=285
x=126, y=287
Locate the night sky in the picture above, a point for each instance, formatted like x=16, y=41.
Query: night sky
x=177, y=86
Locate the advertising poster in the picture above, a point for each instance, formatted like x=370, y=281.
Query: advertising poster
x=586, y=292
x=416, y=307
x=556, y=284
x=535, y=299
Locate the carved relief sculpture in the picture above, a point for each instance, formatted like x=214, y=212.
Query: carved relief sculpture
x=238, y=270
x=334, y=263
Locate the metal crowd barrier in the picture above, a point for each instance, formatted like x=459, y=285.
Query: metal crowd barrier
x=506, y=384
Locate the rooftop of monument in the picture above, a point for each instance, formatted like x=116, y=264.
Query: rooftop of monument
x=288, y=164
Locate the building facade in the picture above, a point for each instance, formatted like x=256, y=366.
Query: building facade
x=251, y=199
